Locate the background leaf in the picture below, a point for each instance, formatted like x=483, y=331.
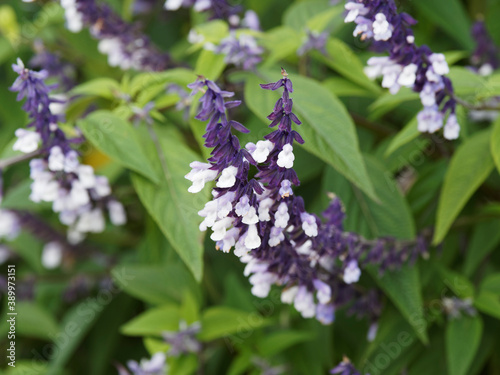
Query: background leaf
x=463, y=336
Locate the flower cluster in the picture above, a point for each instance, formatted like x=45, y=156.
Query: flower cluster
x=183, y=341
x=155, y=366
x=125, y=46
x=314, y=41
x=345, y=368
x=280, y=242
x=218, y=9
x=240, y=47
x=455, y=307
x=76, y=194
x=407, y=65
x=485, y=57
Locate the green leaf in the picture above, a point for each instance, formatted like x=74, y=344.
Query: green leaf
x=300, y=13
x=459, y=284
x=277, y=342
x=175, y=210
x=34, y=321
x=463, y=336
x=390, y=217
x=153, y=322
x=470, y=166
x=344, y=61
x=488, y=300
x=466, y=82
x=221, y=321
x=104, y=87
x=406, y=135
x=210, y=64
x=404, y=289
x=485, y=239
x=495, y=143
x=323, y=115
x=281, y=41
x=117, y=139
x=457, y=24
x=158, y=284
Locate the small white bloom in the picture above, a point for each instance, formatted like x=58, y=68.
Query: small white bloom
x=286, y=157
x=264, y=207
x=382, y=30
x=251, y=217
x=451, y=128
x=243, y=206
x=354, y=10
x=262, y=283
x=220, y=227
x=229, y=240
x=276, y=236
x=305, y=248
x=288, y=295
x=430, y=119
x=285, y=189
x=227, y=177
x=352, y=272
x=261, y=150
x=52, y=255
x=86, y=176
x=56, y=159
x=372, y=332
x=428, y=95
x=199, y=175
x=410, y=39
x=281, y=216
x=4, y=254
x=9, y=225
x=252, y=240
x=439, y=63
x=27, y=141
x=101, y=186
x=304, y=302
x=173, y=4
x=202, y=5
x=116, y=213
x=91, y=221
x=376, y=65
x=309, y=224
x=323, y=291
x=485, y=70
x=71, y=162
x=408, y=75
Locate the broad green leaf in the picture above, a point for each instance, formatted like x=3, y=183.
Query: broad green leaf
x=387, y=102
x=118, y=139
x=221, y=321
x=390, y=217
x=327, y=128
x=174, y=209
x=158, y=284
x=213, y=31
x=466, y=82
x=404, y=289
x=281, y=41
x=298, y=14
x=488, y=300
x=457, y=24
x=432, y=360
x=491, y=87
x=275, y=343
x=406, y=135
x=485, y=238
x=104, y=87
x=470, y=166
x=344, y=61
x=458, y=283
x=143, y=81
x=153, y=322
x=495, y=143
x=34, y=321
x=463, y=336
x=73, y=329
x=210, y=64
x=342, y=87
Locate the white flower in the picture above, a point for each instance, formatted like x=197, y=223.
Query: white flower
x=252, y=240
x=44, y=187
x=354, y=10
x=324, y=292
x=229, y=240
x=9, y=225
x=276, y=236
x=288, y=295
x=305, y=248
x=376, y=65
x=90, y=221
x=382, y=30
x=262, y=283
x=286, y=157
x=220, y=227
x=243, y=206
x=285, y=189
x=391, y=75
x=202, y=5
x=309, y=224
x=173, y=4
x=304, y=302
x=56, y=159
x=281, y=216
x=101, y=186
x=264, y=207
x=485, y=70
x=451, y=128
x=86, y=176
x=4, y=254
x=352, y=272
x=439, y=63
x=251, y=217
x=430, y=119
x=227, y=177
x=52, y=255
x=261, y=150
x=116, y=213
x=428, y=95
x=199, y=175
x=27, y=141
x=71, y=162
x=408, y=75
x=74, y=20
